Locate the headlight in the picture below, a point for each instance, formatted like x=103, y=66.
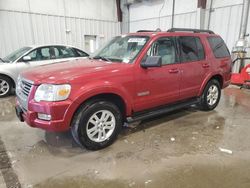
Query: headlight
x=248, y=70
x=49, y=92
x=19, y=82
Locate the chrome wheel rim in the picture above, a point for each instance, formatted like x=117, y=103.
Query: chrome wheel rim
x=4, y=87
x=101, y=126
x=212, y=95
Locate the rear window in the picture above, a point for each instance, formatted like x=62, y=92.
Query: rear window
x=191, y=49
x=219, y=47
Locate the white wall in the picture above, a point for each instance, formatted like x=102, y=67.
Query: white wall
x=225, y=19
x=225, y=16
x=25, y=22
x=158, y=14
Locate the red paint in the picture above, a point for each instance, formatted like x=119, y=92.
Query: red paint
x=166, y=84
x=243, y=77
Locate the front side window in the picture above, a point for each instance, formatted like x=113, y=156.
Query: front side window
x=191, y=49
x=122, y=49
x=41, y=54
x=219, y=47
x=165, y=48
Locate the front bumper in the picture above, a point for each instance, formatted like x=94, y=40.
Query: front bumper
x=59, y=111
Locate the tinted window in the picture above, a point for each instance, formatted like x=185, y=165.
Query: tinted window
x=191, y=49
x=200, y=49
x=219, y=47
x=81, y=53
x=64, y=52
x=45, y=53
x=165, y=48
x=41, y=54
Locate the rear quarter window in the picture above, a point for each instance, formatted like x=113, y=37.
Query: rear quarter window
x=218, y=47
x=81, y=53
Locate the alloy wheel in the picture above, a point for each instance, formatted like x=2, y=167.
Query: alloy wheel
x=101, y=126
x=212, y=95
x=4, y=87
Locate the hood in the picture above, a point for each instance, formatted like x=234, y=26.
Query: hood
x=5, y=63
x=7, y=67
x=66, y=71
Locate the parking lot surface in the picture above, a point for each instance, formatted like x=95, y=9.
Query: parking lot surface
x=186, y=148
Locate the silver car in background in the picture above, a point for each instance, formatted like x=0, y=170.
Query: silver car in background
x=32, y=56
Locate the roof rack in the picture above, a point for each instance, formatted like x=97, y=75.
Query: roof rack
x=191, y=30
x=142, y=31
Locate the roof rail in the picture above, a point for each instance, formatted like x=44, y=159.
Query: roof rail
x=191, y=30
x=157, y=30
x=142, y=31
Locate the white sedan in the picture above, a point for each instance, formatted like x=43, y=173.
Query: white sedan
x=32, y=56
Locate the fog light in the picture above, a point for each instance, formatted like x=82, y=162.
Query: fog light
x=44, y=116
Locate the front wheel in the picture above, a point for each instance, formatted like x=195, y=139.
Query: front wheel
x=5, y=86
x=96, y=125
x=211, y=96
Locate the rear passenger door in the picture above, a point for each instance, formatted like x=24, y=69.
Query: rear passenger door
x=193, y=67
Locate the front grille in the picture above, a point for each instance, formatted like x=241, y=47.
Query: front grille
x=26, y=87
x=23, y=90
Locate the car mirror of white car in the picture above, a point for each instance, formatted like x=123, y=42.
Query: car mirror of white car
x=26, y=58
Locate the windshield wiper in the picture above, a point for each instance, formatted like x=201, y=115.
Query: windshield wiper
x=102, y=58
x=4, y=61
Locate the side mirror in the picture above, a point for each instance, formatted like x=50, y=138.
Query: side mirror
x=26, y=58
x=152, y=61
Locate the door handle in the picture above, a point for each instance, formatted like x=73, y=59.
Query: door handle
x=205, y=65
x=174, y=71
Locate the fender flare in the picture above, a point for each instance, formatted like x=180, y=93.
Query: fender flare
x=206, y=80
x=88, y=91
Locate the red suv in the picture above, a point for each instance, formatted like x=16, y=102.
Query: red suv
x=135, y=76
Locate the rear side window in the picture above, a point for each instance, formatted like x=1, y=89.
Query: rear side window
x=219, y=47
x=64, y=52
x=191, y=49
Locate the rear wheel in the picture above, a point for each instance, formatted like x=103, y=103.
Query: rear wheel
x=5, y=86
x=96, y=125
x=211, y=95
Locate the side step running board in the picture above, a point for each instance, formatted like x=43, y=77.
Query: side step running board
x=161, y=111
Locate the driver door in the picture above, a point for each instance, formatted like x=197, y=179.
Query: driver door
x=39, y=56
x=158, y=86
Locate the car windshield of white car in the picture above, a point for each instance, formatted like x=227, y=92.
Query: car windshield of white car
x=16, y=54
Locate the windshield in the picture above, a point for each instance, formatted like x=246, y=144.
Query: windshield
x=16, y=54
x=122, y=49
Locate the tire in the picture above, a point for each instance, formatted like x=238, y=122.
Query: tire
x=92, y=130
x=5, y=86
x=214, y=90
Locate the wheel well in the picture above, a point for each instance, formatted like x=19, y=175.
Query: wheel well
x=114, y=98
x=13, y=82
x=219, y=78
